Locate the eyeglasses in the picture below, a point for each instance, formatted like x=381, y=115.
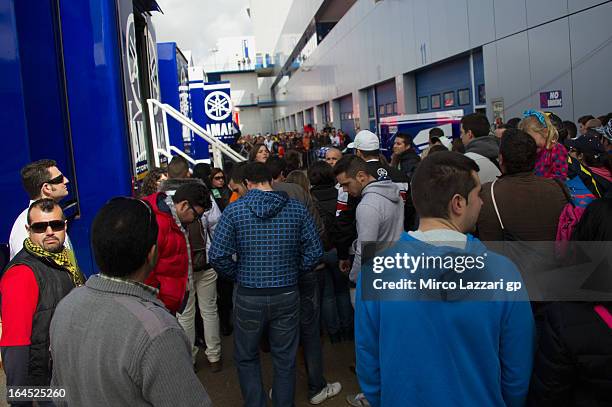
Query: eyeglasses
x=41, y=227
x=219, y=178
x=55, y=181
x=197, y=215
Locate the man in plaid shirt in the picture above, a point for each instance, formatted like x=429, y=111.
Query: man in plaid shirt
x=264, y=241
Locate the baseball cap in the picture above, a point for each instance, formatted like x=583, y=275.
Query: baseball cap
x=365, y=140
x=589, y=143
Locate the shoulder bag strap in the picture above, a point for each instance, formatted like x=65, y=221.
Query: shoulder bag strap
x=495, y=205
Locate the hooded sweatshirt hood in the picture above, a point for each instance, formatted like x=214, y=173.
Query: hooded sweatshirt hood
x=487, y=146
x=386, y=189
x=265, y=204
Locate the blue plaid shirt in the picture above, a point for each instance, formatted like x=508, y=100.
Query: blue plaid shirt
x=273, y=238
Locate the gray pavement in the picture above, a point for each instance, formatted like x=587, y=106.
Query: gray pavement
x=224, y=389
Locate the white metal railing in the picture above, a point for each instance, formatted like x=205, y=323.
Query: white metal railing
x=218, y=147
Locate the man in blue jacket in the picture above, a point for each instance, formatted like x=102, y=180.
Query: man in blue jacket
x=445, y=348
x=264, y=241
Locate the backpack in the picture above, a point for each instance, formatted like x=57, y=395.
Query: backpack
x=578, y=198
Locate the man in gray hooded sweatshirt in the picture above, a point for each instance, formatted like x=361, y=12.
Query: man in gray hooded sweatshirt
x=380, y=213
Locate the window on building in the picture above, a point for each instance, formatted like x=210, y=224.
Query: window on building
x=389, y=108
x=424, y=103
x=482, y=95
x=394, y=107
x=381, y=110
x=449, y=99
x=463, y=96
x=435, y=101
x=370, y=111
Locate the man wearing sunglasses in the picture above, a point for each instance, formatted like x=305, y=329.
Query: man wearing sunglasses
x=203, y=276
x=41, y=179
x=173, y=273
x=38, y=277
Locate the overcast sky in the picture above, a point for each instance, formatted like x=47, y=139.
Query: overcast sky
x=197, y=24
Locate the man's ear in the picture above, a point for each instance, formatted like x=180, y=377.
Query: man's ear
x=152, y=256
x=457, y=205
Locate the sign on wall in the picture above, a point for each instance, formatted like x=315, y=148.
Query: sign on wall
x=550, y=99
x=218, y=111
x=212, y=110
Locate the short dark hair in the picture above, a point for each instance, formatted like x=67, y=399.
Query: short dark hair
x=350, y=165
x=178, y=167
x=518, y=151
x=321, y=173
x=195, y=193
x=407, y=138
x=276, y=166
x=436, y=148
x=436, y=132
x=584, y=119
x=257, y=173
x=202, y=171
x=34, y=175
x=237, y=175
x=122, y=235
x=478, y=123
x=514, y=122
x=570, y=126
x=370, y=153
x=46, y=205
x=437, y=179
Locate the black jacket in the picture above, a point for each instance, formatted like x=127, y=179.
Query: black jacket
x=573, y=362
x=325, y=197
x=407, y=162
x=31, y=365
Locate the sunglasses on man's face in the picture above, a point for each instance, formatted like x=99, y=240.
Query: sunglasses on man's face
x=41, y=227
x=55, y=181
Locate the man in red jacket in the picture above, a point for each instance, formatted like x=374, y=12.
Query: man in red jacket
x=173, y=273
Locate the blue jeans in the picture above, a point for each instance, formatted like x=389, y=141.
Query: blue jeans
x=278, y=315
x=336, y=308
x=310, y=331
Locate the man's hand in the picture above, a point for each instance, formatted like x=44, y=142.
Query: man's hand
x=345, y=265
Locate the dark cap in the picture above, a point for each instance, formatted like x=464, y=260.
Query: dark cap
x=588, y=143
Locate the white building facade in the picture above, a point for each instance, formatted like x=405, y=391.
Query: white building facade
x=350, y=62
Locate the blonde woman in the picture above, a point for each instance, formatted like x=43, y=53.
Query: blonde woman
x=551, y=161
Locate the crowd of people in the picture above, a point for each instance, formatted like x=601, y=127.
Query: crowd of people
x=270, y=251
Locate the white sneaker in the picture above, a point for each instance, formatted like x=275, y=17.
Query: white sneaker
x=329, y=391
x=357, y=400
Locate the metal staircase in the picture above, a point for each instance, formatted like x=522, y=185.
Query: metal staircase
x=218, y=148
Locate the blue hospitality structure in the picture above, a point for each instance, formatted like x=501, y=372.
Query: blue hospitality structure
x=76, y=75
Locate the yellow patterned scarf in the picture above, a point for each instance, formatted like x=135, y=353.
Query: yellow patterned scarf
x=64, y=259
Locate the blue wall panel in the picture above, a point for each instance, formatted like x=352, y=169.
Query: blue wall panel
x=44, y=100
x=445, y=77
x=346, y=108
x=386, y=94
x=97, y=112
x=12, y=117
x=169, y=87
